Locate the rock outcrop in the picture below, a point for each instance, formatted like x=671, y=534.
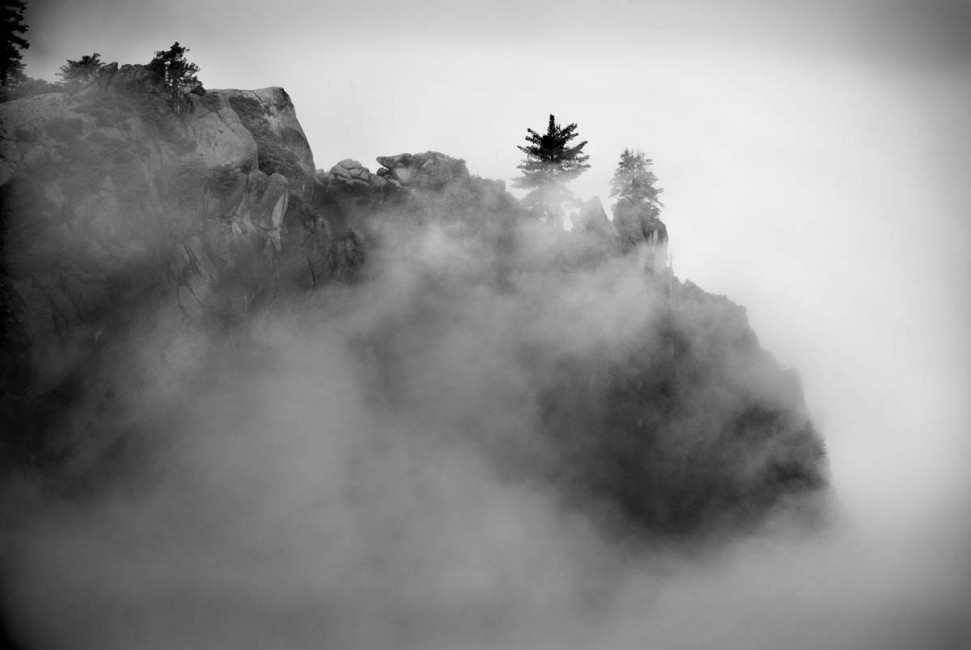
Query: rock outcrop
x=111, y=202
x=639, y=224
x=351, y=175
x=268, y=115
x=126, y=225
x=98, y=181
x=112, y=205
x=592, y=221
x=428, y=171
x=421, y=171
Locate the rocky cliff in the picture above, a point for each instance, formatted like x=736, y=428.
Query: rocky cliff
x=129, y=232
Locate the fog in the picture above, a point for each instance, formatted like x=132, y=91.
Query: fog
x=366, y=468
x=814, y=166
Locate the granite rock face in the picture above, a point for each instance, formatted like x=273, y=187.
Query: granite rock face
x=112, y=205
x=129, y=231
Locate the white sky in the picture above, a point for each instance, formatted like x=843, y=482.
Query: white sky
x=814, y=157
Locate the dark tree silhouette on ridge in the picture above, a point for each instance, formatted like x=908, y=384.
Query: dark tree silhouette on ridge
x=551, y=163
x=175, y=73
x=634, y=181
x=77, y=72
x=12, y=30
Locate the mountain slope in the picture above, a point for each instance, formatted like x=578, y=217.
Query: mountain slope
x=143, y=250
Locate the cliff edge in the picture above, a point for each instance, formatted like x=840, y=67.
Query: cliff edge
x=128, y=232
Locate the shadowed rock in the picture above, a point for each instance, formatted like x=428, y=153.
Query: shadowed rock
x=639, y=228
x=592, y=219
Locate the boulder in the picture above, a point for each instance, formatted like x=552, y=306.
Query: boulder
x=350, y=175
x=430, y=170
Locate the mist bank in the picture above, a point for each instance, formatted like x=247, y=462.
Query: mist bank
x=245, y=400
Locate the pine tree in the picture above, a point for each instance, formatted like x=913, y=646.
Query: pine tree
x=175, y=73
x=551, y=163
x=637, y=209
x=13, y=28
x=634, y=181
x=77, y=72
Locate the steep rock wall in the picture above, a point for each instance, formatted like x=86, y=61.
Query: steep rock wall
x=118, y=215
x=127, y=226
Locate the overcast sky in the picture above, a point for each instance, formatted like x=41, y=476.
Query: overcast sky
x=814, y=155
